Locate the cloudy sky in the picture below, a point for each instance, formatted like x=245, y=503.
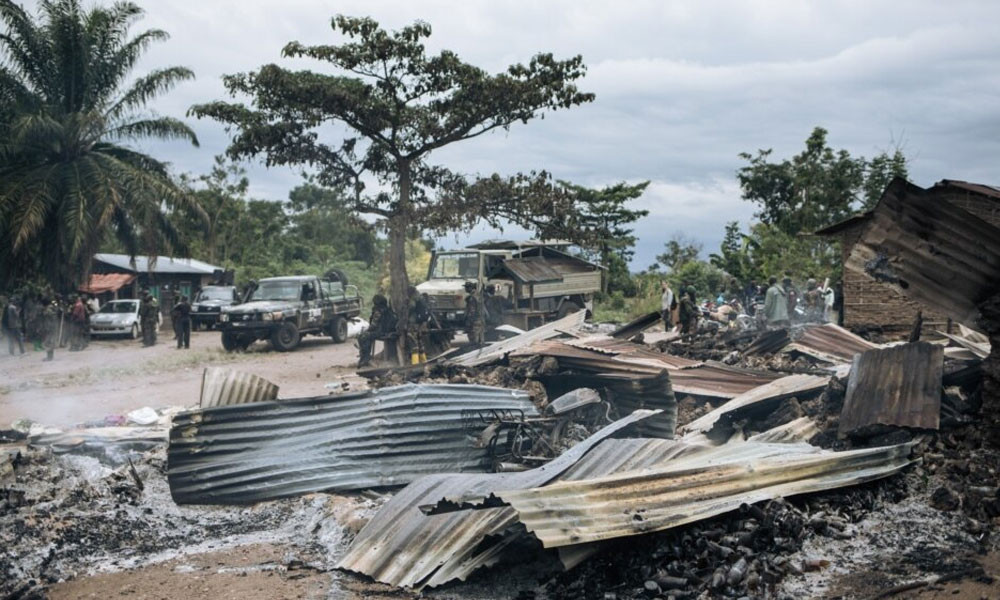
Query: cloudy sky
x=682, y=87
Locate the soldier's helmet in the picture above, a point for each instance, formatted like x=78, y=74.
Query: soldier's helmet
x=470, y=286
x=811, y=283
x=379, y=300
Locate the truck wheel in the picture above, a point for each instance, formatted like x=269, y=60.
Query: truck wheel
x=286, y=337
x=230, y=342
x=568, y=308
x=338, y=329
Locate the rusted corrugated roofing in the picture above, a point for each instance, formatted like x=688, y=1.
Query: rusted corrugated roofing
x=761, y=399
x=687, y=489
x=829, y=342
x=252, y=452
x=636, y=326
x=531, y=270
x=977, y=188
x=220, y=387
x=403, y=546
x=898, y=386
x=498, y=350
x=930, y=251
x=711, y=380
x=100, y=283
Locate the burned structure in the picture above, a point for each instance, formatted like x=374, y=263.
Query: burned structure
x=870, y=304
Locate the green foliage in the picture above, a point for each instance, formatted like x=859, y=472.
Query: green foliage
x=66, y=179
x=734, y=256
x=816, y=187
x=399, y=104
x=605, y=219
x=677, y=252
x=775, y=253
x=797, y=196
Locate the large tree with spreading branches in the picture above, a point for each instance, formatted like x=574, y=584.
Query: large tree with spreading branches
x=389, y=105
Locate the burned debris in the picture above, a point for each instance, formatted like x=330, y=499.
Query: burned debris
x=570, y=461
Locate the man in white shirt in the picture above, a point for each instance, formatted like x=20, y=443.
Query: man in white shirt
x=667, y=306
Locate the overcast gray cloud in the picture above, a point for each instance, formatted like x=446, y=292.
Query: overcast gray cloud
x=682, y=87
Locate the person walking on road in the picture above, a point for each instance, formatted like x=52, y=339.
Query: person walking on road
x=776, y=305
x=181, y=316
x=12, y=326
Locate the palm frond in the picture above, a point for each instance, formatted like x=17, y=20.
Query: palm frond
x=164, y=128
x=146, y=88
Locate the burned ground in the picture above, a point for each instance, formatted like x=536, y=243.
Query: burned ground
x=70, y=520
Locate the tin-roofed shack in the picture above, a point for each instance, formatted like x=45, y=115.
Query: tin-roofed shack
x=870, y=304
x=165, y=276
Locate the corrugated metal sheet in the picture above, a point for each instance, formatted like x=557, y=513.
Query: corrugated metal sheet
x=626, y=392
x=221, y=387
x=769, y=342
x=898, y=386
x=532, y=270
x=596, y=355
x=976, y=188
x=716, y=380
x=700, y=486
x=252, y=452
x=931, y=251
x=482, y=356
x=979, y=349
x=829, y=342
x=405, y=547
x=636, y=326
x=759, y=400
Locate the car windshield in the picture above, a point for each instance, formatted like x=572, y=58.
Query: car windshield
x=456, y=266
x=278, y=290
x=215, y=293
x=126, y=306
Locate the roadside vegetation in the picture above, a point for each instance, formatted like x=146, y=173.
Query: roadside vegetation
x=73, y=181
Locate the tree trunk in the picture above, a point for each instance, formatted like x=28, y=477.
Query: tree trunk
x=398, y=280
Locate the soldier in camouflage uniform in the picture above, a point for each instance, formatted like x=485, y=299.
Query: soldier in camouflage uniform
x=51, y=317
x=148, y=313
x=383, y=322
x=475, y=315
x=418, y=313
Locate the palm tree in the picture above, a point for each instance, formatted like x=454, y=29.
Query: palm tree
x=68, y=181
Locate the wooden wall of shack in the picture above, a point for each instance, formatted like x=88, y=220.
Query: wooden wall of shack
x=869, y=304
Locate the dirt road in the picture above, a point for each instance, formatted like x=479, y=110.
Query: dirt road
x=116, y=376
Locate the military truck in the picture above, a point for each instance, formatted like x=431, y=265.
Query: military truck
x=531, y=282
x=283, y=309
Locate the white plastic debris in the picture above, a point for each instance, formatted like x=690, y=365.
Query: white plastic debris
x=356, y=326
x=143, y=416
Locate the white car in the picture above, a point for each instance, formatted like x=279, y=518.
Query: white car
x=119, y=317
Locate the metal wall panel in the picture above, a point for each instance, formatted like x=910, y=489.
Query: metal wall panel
x=252, y=452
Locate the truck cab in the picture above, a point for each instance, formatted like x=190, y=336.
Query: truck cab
x=283, y=309
x=531, y=283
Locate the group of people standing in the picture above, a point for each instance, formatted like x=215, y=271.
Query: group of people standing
x=47, y=321
x=482, y=308
x=383, y=322
x=781, y=302
x=680, y=310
